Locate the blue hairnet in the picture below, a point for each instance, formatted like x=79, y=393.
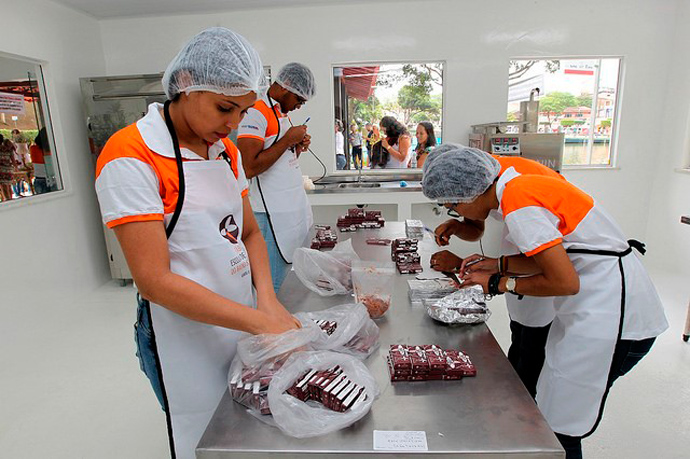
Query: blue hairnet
x=216, y=60
x=298, y=79
x=455, y=173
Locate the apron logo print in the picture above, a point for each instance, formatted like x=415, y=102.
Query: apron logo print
x=229, y=229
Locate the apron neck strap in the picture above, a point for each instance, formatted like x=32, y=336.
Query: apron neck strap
x=180, y=172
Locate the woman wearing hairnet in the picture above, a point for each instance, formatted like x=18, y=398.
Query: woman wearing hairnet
x=607, y=310
x=173, y=189
x=530, y=317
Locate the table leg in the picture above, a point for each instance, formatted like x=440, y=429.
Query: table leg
x=686, y=332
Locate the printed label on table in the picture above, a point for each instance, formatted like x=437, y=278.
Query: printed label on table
x=400, y=440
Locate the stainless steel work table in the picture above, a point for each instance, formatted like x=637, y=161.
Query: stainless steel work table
x=488, y=416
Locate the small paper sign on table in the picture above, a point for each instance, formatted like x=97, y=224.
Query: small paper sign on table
x=400, y=440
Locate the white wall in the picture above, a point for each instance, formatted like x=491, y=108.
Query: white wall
x=671, y=197
x=54, y=242
x=476, y=39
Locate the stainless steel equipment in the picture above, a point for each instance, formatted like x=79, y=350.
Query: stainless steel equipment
x=520, y=138
x=489, y=416
x=111, y=103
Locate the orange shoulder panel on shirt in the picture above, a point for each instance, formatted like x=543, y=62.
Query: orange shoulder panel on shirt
x=128, y=143
x=525, y=166
x=270, y=115
x=232, y=152
x=567, y=202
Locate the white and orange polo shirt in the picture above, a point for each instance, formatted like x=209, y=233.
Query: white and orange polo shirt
x=136, y=173
x=525, y=166
x=260, y=123
x=543, y=211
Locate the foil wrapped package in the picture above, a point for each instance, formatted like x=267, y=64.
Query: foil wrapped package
x=430, y=289
x=466, y=306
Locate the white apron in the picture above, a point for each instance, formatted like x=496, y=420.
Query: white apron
x=206, y=247
x=281, y=190
x=530, y=311
x=572, y=386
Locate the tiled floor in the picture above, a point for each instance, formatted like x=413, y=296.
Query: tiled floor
x=71, y=386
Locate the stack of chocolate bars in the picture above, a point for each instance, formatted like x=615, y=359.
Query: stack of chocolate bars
x=332, y=388
x=360, y=343
x=359, y=218
x=325, y=237
x=428, y=362
x=404, y=254
x=249, y=386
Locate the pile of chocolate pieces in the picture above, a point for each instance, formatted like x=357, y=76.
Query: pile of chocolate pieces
x=428, y=362
x=325, y=238
x=404, y=254
x=359, y=218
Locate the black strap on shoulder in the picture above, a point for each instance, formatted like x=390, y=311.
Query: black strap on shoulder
x=180, y=172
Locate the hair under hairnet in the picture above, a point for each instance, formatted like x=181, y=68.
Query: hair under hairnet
x=455, y=173
x=298, y=79
x=216, y=60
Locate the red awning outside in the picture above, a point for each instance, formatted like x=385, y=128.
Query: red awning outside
x=360, y=82
x=29, y=89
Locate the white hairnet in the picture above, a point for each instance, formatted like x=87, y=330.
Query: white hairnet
x=455, y=173
x=298, y=79
x=216, y=60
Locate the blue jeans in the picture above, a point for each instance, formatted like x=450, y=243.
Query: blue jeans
x=143, y=337
x=279, y=268
x=340, y=162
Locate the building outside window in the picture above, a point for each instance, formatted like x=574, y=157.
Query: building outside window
x=578, y=97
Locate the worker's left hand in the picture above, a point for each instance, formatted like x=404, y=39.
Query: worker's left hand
x=303, y=145
x=445, y=260
x=476, y=278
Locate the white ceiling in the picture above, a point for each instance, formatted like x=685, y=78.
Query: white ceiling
x=104, y=9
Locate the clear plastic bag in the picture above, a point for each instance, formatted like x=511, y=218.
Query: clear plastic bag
x=346, y=328
x=466, y=306
x=257, y=360
x=373, y=283
x=309, y=419
x=326, y=273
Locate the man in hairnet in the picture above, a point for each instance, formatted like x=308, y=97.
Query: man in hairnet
x=270, y=147
x=607, y=311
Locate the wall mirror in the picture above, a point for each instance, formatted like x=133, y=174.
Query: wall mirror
x=28, y=158
x=387, y=115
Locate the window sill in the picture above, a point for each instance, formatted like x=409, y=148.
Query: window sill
x=590, y=168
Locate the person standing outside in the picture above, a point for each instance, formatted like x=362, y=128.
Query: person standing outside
x=340, y=160
x=270, y=147
x=355, y=138
x=173, y=189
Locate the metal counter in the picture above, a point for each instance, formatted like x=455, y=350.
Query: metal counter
x=383, y=187
x=488, y=416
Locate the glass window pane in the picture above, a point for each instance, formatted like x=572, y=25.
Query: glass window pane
x=364, y=94
x=28, y=160
x=578, y=98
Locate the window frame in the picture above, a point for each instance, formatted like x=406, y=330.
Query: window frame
x=45, y=85
x=613, y=146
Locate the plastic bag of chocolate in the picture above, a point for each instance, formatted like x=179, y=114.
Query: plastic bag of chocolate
x=466, y=306
x=373, y=283
x=257, y=360
x=346, y=328
x=336, y=391
x=326, y=273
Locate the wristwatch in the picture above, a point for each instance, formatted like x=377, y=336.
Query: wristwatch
x=511, y=283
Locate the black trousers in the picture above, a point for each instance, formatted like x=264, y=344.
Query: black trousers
x=527, y=353
x=625, y=357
